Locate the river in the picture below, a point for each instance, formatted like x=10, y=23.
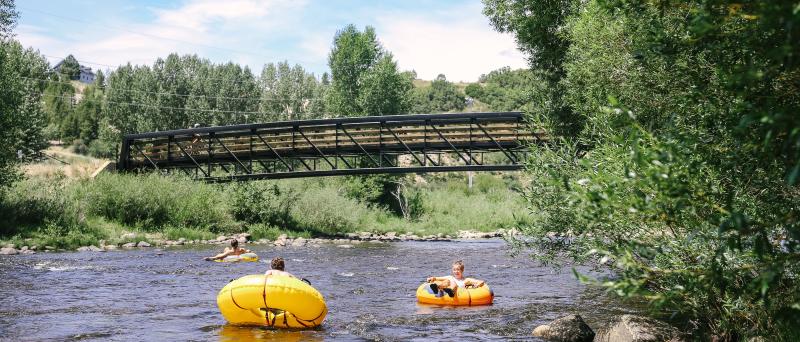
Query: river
x=170, y=294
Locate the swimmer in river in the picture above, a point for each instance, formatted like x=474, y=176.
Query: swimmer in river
x=234, y=249
x=450, y=284
x=277, y=265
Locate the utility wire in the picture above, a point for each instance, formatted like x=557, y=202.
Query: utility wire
x=163, y=107
x=258, y=99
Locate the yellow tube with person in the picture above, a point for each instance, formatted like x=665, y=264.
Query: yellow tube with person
x=274, y=301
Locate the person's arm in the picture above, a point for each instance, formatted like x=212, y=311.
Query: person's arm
x=225, y=253
x=474, y=282
x=432, y=279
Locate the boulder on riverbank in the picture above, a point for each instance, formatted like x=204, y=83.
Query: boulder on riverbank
x=570, y=328
x=90, y=249
x=8, y=251
x=631, y=328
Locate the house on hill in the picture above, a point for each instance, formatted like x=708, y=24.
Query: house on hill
x=86, y=74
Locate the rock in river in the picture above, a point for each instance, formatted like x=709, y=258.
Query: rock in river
x=631, y=328
x=570, y=328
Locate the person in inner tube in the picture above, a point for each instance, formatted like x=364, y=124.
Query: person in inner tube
x=277, y=268
x=450, y=284
x=234, y=249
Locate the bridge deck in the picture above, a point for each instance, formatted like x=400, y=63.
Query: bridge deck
x=333, y=147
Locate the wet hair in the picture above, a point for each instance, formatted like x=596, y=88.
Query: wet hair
x=277, y=264
x=234, y=243
x=460, y=264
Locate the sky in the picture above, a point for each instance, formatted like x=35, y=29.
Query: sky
x=431, y=37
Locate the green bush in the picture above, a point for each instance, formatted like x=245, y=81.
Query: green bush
x=264, y=202
x=263, y=231
x=79, y=146
x=153, y=201
x=324, y=210
x=102, y=149
x=33, y=203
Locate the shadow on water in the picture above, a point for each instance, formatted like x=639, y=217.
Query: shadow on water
x=170, y=294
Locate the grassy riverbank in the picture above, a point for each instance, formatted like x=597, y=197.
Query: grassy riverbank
x=66, y=213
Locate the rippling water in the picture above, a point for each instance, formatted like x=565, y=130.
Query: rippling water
x=170, y=294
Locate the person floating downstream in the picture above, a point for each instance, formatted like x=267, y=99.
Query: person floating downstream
x=234, y=249
x=277, y=266
x=450, y=284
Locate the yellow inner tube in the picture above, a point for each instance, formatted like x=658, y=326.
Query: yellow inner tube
x=240, y=257
x=464, y=296
x=275, y=301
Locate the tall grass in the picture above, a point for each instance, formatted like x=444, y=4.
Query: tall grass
x=67, y=213
x=152, y=202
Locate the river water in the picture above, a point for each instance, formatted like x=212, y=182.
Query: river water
x=170, y=294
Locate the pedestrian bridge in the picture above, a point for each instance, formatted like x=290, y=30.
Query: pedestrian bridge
x=328, y=147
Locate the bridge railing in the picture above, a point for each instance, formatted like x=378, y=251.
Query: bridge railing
x=382, y=144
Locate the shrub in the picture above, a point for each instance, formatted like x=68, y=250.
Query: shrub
x=324, y=210
x=264, y=202
x=154, y=201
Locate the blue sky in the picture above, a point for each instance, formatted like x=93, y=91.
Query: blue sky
x=451, y=37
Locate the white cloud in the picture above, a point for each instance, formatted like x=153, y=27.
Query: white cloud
x=198, y=14
x=205, y=27
x=462, y=47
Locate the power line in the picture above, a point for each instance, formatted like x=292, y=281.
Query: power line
x=258, y=99
x=164, y=107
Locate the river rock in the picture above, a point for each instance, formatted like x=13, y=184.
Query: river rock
x=129, y=245
x=632, y=328
x=128, y=236
x=344, y=246
x=279, y=242
x=570, y=328
x=299, y=242
x=8, y=251
x=110, y=247
x=142, y=244
x=10, y=245
x=27, y=251
x=49, y=248
x=221, y=238
x=90, y=249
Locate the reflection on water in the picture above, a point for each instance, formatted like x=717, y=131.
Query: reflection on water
x=170, y=294
x=231, y=333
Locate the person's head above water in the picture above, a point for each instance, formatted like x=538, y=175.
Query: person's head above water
x=277, y=264
x=235, y=243
x=458, y=269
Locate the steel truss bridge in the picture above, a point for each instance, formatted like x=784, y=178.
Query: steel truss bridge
x=344, y=146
